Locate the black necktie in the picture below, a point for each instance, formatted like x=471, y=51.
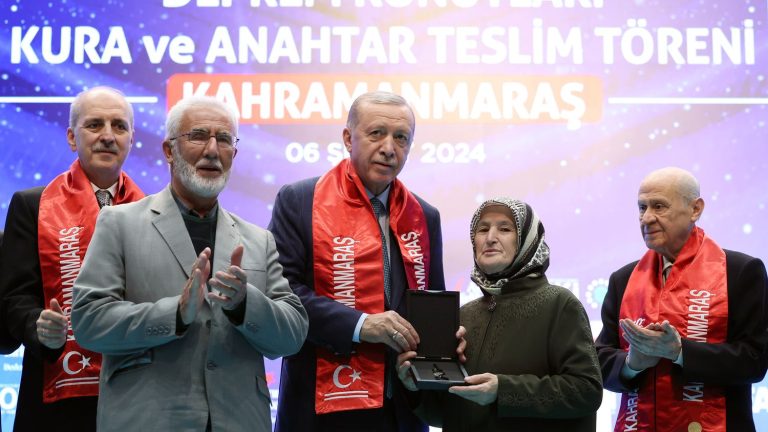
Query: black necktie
x=103, y=197
x=665, y=274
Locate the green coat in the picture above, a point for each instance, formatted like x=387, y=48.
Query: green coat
x=537, y=340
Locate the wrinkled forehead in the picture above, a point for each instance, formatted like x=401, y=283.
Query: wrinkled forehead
x=496, y=213
x=210, y=118
x=104, y=105
x=371, y=112
x=660, y=189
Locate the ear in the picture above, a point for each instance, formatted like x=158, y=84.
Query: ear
x=167, y=151
x=234, y=153
x=347, y=137
x=71, y=139
x=698, y=209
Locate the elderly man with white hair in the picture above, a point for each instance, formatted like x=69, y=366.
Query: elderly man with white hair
x=183, y=298
x=685, y=328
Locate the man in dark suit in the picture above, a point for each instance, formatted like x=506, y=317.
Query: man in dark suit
x=685, y=328
x=7, y=343
x=46, y=235
x=351, y=243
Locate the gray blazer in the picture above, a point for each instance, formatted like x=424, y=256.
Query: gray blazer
x=125, y=302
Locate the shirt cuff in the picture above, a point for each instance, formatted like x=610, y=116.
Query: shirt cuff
x=358, y=327
x=627, y=372
x=679, y=360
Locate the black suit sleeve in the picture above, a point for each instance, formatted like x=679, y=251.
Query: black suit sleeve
x=742, y=359
x=609, y=352
x=20, y=278
x=7, y=343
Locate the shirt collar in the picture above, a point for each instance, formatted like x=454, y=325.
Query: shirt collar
x=188, y=211
x=112, y=189
x=667, y=263
x=383, y=197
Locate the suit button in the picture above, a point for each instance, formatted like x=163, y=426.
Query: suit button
x=211, y=365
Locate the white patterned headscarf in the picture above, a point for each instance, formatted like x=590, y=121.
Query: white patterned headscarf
x=532, y=257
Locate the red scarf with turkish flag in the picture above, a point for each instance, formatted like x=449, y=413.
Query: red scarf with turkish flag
x=695, y=301
x=348, y=263
x=68, y=211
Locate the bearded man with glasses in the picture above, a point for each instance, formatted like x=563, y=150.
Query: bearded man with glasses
x=184, y=298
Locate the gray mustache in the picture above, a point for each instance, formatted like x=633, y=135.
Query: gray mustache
x=111, y=149
x=218, y=166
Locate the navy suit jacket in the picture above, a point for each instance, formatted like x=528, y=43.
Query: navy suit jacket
x=332, y=324
x=735, y=364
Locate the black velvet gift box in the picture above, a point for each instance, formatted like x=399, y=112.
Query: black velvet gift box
x=435, y=316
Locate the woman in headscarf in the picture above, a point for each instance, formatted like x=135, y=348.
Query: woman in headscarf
x=529, y=351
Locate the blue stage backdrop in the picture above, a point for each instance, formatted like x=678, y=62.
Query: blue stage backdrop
x=565, y=104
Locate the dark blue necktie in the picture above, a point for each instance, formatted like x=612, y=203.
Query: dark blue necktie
x=379, y=210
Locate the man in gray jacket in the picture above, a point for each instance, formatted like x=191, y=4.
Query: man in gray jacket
x=184, y=298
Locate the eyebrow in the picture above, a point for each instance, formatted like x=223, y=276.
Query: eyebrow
x=87, y=119
x=495, y=223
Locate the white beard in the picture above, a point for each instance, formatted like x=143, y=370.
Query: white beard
x=186, y=173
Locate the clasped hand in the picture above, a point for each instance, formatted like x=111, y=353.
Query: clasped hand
x=650, y=343
x=230, y=284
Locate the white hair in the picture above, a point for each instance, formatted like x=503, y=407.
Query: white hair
x=77, y=104
x=377, y=97
x=173, y=121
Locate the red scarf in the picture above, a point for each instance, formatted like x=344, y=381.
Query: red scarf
x=348, y=267
x=695, y=301
x=68, y=211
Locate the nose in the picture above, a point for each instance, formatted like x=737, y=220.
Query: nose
x=211, y=148
x=647, y=217
x=492, y=236
x=387, y=147
x=107, y=135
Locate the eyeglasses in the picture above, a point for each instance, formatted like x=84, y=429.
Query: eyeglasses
x=224, y=140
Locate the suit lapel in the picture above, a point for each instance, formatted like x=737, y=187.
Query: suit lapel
x=227, y=238
x=166, y=218
x=399, y=280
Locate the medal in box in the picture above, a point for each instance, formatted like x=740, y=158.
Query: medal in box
x=435, y=316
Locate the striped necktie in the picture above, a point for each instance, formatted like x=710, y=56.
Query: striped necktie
x=378, y=210
x=103, y=197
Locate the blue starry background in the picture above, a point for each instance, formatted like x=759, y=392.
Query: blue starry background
x=582, y=182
